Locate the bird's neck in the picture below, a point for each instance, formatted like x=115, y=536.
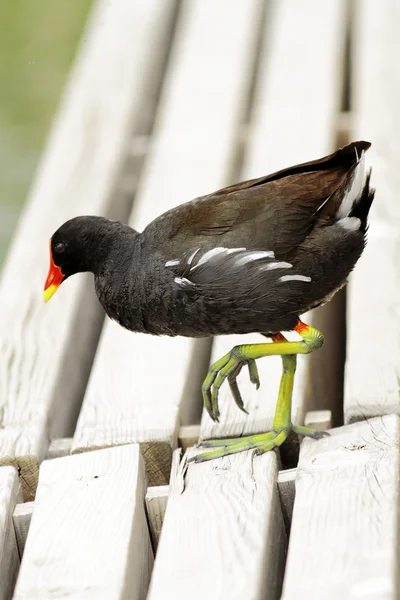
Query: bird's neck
x=107, y=248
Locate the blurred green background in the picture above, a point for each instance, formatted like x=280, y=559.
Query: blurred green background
x=38, y=41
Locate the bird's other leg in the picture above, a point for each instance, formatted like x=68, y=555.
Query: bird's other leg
x=311, y=340
x=229, y=366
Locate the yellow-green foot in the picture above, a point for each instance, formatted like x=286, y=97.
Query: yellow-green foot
x=229, y=366
x=260, y=442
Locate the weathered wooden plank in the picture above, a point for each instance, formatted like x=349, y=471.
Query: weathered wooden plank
x=284, y=132
x=223, y=534
x=88, y=537
x=156, y=504
x=47, y=351
x=344, y=534
x=9, y=558
x=373, y=326
x=139, y=382
x=22, y=516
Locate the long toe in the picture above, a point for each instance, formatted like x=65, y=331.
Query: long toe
x=316, y=434
x=248, y=439
x=263, y=441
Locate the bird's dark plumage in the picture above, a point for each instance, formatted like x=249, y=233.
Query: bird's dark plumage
x=250, y=257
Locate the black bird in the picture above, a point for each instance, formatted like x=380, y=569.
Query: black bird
x=251, y=257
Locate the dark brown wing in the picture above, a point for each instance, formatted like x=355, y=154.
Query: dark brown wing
x=275, y=212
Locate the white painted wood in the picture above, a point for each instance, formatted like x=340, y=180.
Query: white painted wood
x=139, y=382
x=296, y=102
x=223, y=533
x=22, y=516
x=156, y=504
x=47, y=350
x=59, y=447
x=9, y=558
x=373, y=324
x=88, y=536
x=344, y=535
x=318, y=419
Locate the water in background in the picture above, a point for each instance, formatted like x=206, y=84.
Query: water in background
x=38, y=41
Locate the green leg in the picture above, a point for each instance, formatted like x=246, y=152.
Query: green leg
x=230, y=365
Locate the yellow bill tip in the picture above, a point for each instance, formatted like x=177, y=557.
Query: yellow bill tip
x=49, y=292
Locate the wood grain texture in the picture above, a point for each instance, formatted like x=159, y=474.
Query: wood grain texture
x=223, y=533
x=22, y=516
x=156, y=504
x=373, y=331
x=88, y=536
x=9, y=558
x=284, y=132
x=139, y=383
x=344, y=535
x=47, y=350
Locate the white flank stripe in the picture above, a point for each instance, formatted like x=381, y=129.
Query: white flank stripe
x=208, y=255
x=253, y=256
x=183, y=281
x=172, y=263
x=295, y=278
x=214, y=252
x=354, y=192
x=233, y=250
x=191, y=257
x=276, y=265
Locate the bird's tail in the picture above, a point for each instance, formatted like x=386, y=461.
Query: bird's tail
x=361, y=207
x=358, y=195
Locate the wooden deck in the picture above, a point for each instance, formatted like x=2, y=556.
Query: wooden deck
x=169, y=100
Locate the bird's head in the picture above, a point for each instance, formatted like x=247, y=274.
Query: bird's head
x=79, y=245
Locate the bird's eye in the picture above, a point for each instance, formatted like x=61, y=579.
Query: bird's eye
x=59, y=248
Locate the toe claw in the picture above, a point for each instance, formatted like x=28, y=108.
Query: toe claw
x=236, y=394
x=253, y=373
x=228, y=367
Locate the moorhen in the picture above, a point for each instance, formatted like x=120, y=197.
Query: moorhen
x=251, y=257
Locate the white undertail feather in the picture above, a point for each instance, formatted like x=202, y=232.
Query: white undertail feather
x=354, y=192
x=351, y=223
